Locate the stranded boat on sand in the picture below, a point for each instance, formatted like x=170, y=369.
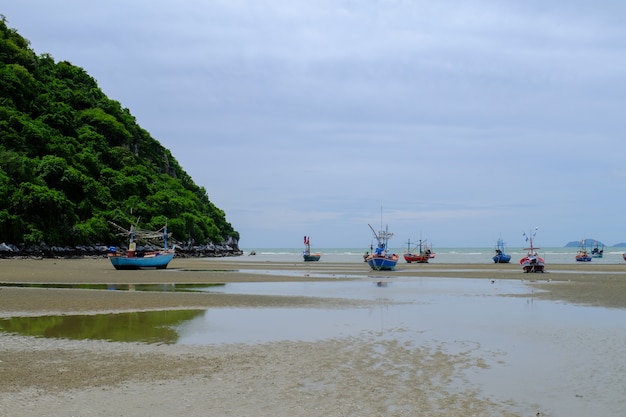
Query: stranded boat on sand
x=306, y=254
x=134, y=259
x=381, y=259
x=422, y=256
x=501, y=257
x=532, y=262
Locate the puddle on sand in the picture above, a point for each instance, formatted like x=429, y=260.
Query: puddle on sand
x=120, y=287
x=143, y=327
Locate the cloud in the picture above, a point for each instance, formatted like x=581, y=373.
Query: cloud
x=464, y=120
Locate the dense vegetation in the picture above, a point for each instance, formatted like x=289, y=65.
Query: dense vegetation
x=72, y=160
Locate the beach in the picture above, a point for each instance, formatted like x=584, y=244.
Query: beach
x=332, y=377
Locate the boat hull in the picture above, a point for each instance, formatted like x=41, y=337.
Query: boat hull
x=583, y=259
x=158, y=260
x=312, y=257
x=382, y=263
x=532, y=264
x=412, y=257
x=502, y=259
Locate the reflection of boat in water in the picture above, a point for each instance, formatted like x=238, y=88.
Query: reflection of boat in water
x=598, y=250
x=381, y=259
x=532, y=262
x=308, y=256
x=582, y=255
x=141, y=259
x=501, y=257
x=422, y=256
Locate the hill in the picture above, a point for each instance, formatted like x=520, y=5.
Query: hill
x=72, y=160
x=591, y=242
x=586, y=242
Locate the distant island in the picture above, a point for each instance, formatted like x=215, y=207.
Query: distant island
x=592, y=242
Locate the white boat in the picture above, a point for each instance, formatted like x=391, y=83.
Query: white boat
x=532, y=262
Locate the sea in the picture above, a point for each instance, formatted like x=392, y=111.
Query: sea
x=552, y=255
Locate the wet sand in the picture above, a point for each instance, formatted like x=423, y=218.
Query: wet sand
x=338, y=377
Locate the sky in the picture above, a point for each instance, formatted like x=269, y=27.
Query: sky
x=453, y=121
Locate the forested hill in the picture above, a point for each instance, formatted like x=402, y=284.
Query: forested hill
x=72, y=160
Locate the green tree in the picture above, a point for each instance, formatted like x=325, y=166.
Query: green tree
x=72, y=160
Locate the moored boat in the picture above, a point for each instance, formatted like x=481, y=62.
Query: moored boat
x=141, y=259
x=306, y=254
x=532, y=262
x=422, y=256
x=583, y=255
x=598, y=250
x=381, y=259
x=501, y=257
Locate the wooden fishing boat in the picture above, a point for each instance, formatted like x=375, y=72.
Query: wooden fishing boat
x=598, y=250
x=421, y=256
x=501, y=257
x=381, y=259
x=141, y=259
x=583, y=255
x=532, y=262
x=306, y=254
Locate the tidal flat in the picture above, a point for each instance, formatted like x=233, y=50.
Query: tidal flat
x=327, y=339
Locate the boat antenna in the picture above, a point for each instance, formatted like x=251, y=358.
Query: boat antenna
x=375, y=234
x=165, y=236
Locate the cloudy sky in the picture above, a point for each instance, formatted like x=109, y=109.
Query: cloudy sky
x=459, y=121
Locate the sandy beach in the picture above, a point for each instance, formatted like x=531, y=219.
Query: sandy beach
x=336, y=377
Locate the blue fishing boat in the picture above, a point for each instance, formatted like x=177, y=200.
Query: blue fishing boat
x=148, y=260
x=381, y=259
x=501, y=257
x=141, y=259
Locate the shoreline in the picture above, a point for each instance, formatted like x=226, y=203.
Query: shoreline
x=599, y=285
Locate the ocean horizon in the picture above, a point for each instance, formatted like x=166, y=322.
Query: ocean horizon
x=473, y=255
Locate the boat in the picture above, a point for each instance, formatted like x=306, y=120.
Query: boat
x=532, y=262
x=582, y=255
x=308, y=256
x=422, y=256
x=624, y=256
x=598, y=250
x=381, y=259
x=141, y=259
x=501, y=257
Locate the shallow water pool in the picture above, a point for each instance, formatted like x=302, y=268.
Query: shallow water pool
x=568, y=358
